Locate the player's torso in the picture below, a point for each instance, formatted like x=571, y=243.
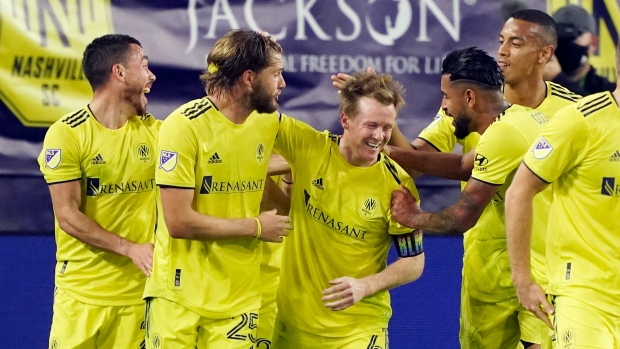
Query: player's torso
x=340, y=217
x=118, y=168
x=216, y=278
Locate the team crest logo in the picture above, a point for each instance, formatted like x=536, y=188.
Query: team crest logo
x=54, y=344
x=52, y=158
x=168, y=160
x=144, y=153
x=368, y=207
x=569, y=339
x=542, y=149
x=156, y=341
x=260, y=153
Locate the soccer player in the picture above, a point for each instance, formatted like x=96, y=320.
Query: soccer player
x=471, y=84
x=578, y=154
x=204, y=291
x=99, y=163
x=525, y=42
x=334, y=279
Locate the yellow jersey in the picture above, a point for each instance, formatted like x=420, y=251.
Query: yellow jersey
x=342, y=227
x=498, y=156
x=116, y=169
x=225, y=164
x=579, y=152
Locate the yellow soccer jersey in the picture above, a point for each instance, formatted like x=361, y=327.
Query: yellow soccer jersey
x=270, y=266
x=342, y=227
x=557, y=98
x=440, y=134
x=579, y=151
x=225, y=164
x=484, y=242
x=117, y=173
x=498, y=155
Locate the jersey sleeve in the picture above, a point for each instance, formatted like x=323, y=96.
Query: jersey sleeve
x=177, y=148
x=498, y=153
x=59, y=160
x=394, y=227
x=561, y=146
x=440, y=133
x=295, y=138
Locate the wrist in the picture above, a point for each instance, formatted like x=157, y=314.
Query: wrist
x=258, y=227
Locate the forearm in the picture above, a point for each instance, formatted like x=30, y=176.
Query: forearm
x=453, y=220
x=193, y=225
x=519, y=211
x=445, y=165
x=399, y=140
x=402, y=271
x=275, y=198
x=81, y=227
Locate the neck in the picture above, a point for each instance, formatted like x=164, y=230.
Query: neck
x=232, y=105
x=528, y=93
x=109, y=108
x=491, y=112
x=349, y=155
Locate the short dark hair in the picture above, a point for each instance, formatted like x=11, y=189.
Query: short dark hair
x=102, y=54
x=473, y=65
x=380, y=87
x=549, y=28
x=233, y=54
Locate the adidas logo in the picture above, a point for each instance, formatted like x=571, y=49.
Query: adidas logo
x=318, y=183
x=97, y=160
x=214, y=159
x=615, y=156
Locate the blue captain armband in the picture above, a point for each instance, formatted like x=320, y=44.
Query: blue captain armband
x=409, y=245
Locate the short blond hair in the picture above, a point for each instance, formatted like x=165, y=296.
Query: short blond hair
x=380, y=87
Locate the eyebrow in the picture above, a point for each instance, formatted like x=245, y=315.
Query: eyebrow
x=145, y=57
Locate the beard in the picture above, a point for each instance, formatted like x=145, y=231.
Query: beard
x=461, y=127
x=261, y=101
x=133, y=97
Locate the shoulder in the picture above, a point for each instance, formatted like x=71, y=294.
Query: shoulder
x=593, y=104
x=561, y=93
x=193, y=110
x=73, y=120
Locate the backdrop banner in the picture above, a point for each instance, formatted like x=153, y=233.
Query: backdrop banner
x=41, y=45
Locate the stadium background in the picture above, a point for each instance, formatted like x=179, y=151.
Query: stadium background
x=41, y=42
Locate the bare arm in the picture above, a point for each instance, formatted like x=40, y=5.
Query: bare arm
x=278, y=165
x=346, y=291
x=519, y=208
x=275, y=198
x=445, y=165
x=455, y=219
x=184, y=222
x=67, y=200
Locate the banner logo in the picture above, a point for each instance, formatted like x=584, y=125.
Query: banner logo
x=41, y=76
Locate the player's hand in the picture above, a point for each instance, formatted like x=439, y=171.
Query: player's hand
x=274, y=227
x=345, y=292
x=340, y=79
x=534, y=299
x=142, y=257
x=267, y=36
x=404, y=207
